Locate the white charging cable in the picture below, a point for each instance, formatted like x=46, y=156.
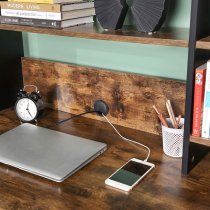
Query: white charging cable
x=126, y=139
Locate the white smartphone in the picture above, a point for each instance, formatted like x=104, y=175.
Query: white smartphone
x=129, y=174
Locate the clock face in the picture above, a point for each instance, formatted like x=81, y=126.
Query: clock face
x=26, y=109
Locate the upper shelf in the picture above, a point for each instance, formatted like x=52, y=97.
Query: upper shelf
x=166, y=36
x=204, y=43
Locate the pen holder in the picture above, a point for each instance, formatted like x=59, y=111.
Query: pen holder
x=173, y=139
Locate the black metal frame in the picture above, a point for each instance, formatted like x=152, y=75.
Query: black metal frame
x=11, y=51
x=199, y=28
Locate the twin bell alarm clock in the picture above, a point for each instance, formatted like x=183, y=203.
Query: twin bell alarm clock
x=28, y=104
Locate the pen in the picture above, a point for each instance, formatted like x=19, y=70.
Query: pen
x=160, y=116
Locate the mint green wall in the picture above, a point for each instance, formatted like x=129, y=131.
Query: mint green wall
x=144, y=59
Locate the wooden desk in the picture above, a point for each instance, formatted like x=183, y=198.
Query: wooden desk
x=163, y=188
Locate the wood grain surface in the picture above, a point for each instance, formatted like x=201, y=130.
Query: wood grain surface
x=163, y=188
x=130, y=97
x=166, y=36
x=203, y=43
x=200, y=140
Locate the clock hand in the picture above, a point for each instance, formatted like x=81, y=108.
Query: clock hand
x=27, y=106
x=29, y=112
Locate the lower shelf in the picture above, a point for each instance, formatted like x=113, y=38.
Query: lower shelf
x=199, y=140
x=204, y=43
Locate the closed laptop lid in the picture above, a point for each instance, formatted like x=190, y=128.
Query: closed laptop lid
x=51, y=154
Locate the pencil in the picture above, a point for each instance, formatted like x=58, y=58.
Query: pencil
x=178, y=120
x=171, y=114
x=160, y=116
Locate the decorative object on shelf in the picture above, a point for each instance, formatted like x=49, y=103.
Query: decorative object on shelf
x=111, y=13
x=28, y=105
x=149, y=15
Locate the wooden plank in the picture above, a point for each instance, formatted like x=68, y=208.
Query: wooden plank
x=166, y=36
x=203, y=43
x=74, y=89
x=200, y=140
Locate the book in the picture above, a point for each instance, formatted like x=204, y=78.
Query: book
x=199, y=89
x=45, y=23
x=47, y=1
x=206, y=106
x=48, y=15
x=46, y=7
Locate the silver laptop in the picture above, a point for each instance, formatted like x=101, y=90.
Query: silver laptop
x=47, y=153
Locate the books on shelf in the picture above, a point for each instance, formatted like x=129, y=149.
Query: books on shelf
x=48, y=15
x=63, y=15
x=199, y=87
x=5, y=5
x=201, y=106
x=46, y=23
x=47, y=1
x=206, y=106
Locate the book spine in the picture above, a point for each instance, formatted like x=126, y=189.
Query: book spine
x=206, y=107
x=200, y=77
x=31, y=14
x=30, y=22
x=34, y=1
x=31, y=6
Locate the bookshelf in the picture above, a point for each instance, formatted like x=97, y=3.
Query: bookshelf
x=199, y=47
x=177, y=37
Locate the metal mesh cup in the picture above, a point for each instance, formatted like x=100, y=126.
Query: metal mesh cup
x=173, y=139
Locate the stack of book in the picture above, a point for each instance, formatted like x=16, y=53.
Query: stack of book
x=47, y=13
x=201, y=106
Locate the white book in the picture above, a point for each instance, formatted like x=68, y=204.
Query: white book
x=48, y=15
x=46, y=1
x=206, y=106
x=31, y=14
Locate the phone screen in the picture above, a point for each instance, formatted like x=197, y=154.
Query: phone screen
x=130, y=173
